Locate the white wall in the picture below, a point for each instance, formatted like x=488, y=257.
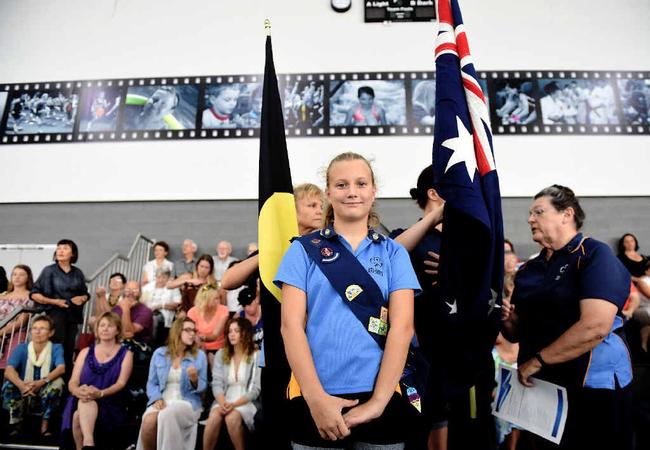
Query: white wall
x=81, y=39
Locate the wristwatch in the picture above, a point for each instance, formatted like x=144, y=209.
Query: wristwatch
x=538, y=357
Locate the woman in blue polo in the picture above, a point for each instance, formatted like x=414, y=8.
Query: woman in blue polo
x=566, y=315
x=347, y=384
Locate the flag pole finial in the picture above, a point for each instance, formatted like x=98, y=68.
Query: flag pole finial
x=267, y=26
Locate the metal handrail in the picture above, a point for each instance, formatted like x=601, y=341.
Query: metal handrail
x=9, y=340
x=130, y=265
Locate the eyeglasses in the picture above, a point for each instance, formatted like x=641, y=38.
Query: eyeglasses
x=189, y=330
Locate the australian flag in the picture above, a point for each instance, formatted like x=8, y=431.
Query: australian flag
x=465, y=175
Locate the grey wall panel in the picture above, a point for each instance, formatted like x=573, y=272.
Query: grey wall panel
x=101, y=229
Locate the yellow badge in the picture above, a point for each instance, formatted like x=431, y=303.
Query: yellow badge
x=384, y=315
x=376, y=326
x=352, y=291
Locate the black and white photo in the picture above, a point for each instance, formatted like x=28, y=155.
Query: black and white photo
x=515, y=102
x=42, y=111
x=161, y=107
x=635, y=100
x=578, y=101
x=303, y=103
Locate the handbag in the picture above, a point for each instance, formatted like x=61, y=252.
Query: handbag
x=360, y=292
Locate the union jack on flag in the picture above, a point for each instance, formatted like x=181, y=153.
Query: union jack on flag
x=465, y=175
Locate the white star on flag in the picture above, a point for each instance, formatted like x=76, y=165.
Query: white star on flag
x=463, y=148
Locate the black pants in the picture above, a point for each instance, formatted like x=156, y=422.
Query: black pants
x=598, y=419
x=386, y=429
x=66, y=328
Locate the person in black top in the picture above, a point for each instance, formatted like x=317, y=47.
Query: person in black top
x=628, y=254
x=4, y=283
x=61, y=288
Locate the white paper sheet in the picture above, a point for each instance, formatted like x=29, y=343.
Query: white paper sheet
x=541, y=409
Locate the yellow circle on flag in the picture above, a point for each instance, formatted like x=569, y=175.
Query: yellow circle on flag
x=276, y=226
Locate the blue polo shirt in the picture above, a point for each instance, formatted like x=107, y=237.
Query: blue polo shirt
x=547, y=296
x=346, y=357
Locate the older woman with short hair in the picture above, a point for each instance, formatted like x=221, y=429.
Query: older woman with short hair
x=34, y=369
x=566, y=316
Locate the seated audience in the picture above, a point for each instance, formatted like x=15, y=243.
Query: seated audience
x=642, y=313
x=222, y=259
x=210, y=317
x=34, y=375
x=232, y=296
x=97, y=395
x=190, y=284
x=235, y=385
x=187, y=262
x=510, y=262
x=137, y=319
x=249, y=299
x=177, y=377
x=104, y=303
x=163, y=303
x=251, y=248
x=160, y=252
x=628, y=253
x=3, y=279
x=15, y=297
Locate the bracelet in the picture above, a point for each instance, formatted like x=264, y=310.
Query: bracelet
x=46, y=379
x=538, y=357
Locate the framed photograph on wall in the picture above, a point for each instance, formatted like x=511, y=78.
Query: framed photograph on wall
x=367, y=103
x=423, y=102
x=99, y=108
x=578, y=102
x=232, y=105
x=43, y=111
x=515, y=102
x=161, y=107
x=635, y=100
x=303, y=102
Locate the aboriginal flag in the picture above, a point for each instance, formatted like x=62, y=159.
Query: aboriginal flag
x=277, y=225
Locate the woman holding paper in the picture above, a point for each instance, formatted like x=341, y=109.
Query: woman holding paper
x=566, y=316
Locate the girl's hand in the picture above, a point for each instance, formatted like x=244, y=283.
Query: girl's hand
x=159, y=404
x=363, y=413
x=326, y=412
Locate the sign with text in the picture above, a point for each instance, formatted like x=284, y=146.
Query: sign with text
x=400, y=10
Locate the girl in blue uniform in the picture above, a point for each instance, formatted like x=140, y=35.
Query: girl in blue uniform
x=347, y=383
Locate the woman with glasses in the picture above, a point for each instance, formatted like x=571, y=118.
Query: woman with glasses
x=178, y=375
x=566, y=314
x=33, y=375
